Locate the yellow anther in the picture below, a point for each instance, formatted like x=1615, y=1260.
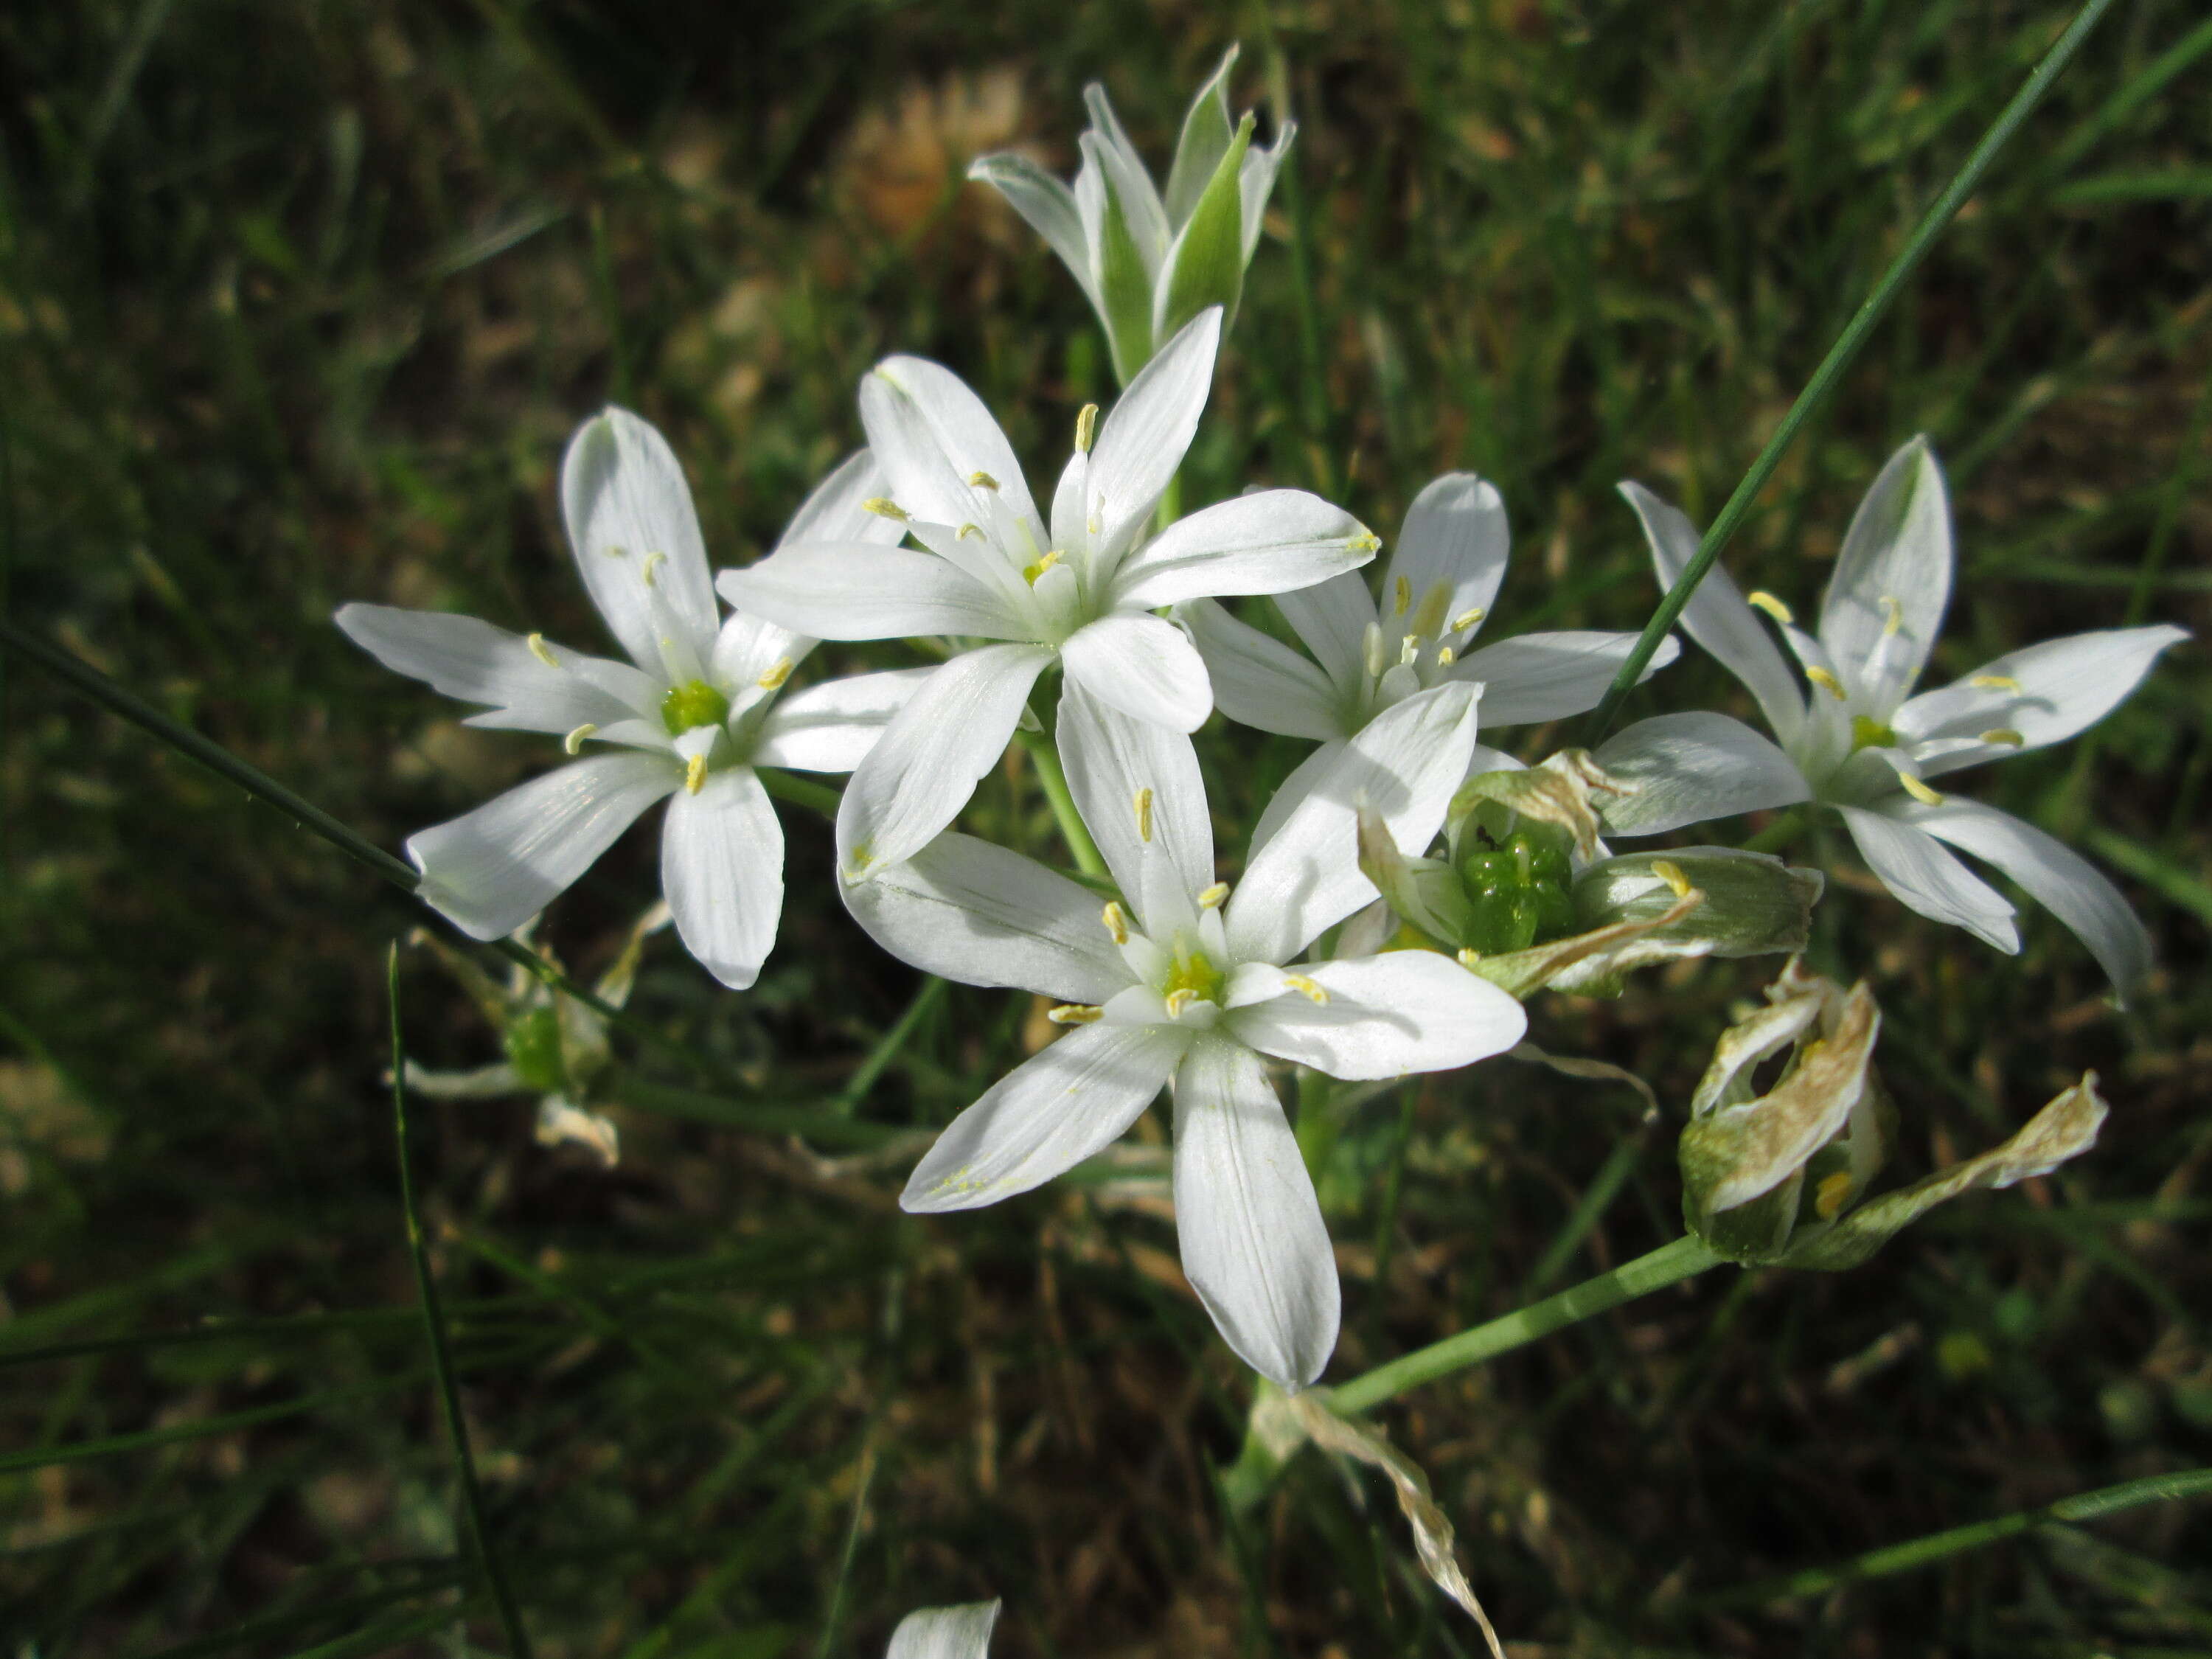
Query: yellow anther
x=1365, y=542
x=1404, y=599
x=1773, y=607
x=1995, y=683
x=695, y=773
x=1919, y=790
x=1213, y=897
x=1446, y=656
x=968, y=530
x=1828, y=1197
x=653, y=562
x=1143, y=814
x=1117, y=922
x=883, y=507
x=1075, y=1014
x=1892, y=614
x=1828, y=683
x=1087, y=427
x=1671, y=872
x=615, y=551
x=1409, y=650
x=541, y=651
x=574, y=743
x=774, y=679
x=983, y=480
x=1309, y=989
x=1179, y=1000
x=2006, y=735
x=1043, y=562
x=1466, y=619
x=1467, y=958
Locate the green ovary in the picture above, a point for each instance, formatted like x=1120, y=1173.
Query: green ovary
x=1869, y=734
x=1517, y=894
x=1194, y=972
x=533, y=1048
x=696, y=703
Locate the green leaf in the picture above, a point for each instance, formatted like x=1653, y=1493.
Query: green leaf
x=1206, y=265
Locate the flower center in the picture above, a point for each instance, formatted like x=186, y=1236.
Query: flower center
x=1194, y=976
x=693, y=703
x=1867, y=733
x=533, y=1048
x=1517, y=892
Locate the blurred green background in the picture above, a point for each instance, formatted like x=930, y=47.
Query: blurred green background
x=298, y=304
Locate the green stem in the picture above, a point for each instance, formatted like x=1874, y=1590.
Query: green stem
x=1080, y=846
x=799, y=791
x=1922, y=1552
x=1846, y=348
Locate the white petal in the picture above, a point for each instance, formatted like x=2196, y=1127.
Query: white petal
x=623, y=495
x=492, y=870
x=931, y=435
x=1690, y=768
x=1332, y=618
x=722, y=872
x=1718, y=617
x=1548, y=677
x=750, y=649
x=1258, y=681
x=962, y=1632
x=852, y=590
x=1144, y=667
x=1405, y=1010
x=477, y=662
x=926, y=764
x=1141, y=206
x=1046, y=1116
x=1143, y=437
x=2065, y=685
x=1406, y=765
x=1927, y=879
x=1254, y=1243
x=1048, y=206
x=830, y=727
x=1110, y=758
x=1266, y=542
x=1454, y=540
x=1306, y=776
x=966, y=910
x=1885, y=602
x=2053, y=874
x=837, y=510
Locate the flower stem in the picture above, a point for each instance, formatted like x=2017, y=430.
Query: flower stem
x=799, y=791
x=1073, y=829
x=1846, y=348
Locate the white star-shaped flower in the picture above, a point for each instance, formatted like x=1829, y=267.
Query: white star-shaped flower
x=1078, y=590
x=1180, y=983
x=1855, y=738
x=687, y=718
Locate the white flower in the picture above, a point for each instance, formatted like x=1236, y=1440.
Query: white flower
x=1148, y=265
x=1437, y=590
x=1182, y=982
x=1079, y=591
x=961, y=1632
x=687, y=718
x=1858, y=740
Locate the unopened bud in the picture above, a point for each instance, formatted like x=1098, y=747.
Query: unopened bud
x=1754, y=904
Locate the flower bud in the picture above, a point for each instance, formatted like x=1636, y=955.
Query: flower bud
x=1755, y=905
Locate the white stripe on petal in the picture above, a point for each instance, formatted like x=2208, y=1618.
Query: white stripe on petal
x=932, y=436
x=2052, y=873
x=2041, y=694
x=926, y=764
x=1046, y=1115
x=1893, y=580
x=1254, y=1243
x=853, y=591
x=1269, y=542
x=1142, y=441
x=473, y=660
x=1260, y=682
x=967, y=910
x=962, y=1632
x=1384, y=1016
x=623, y=496
x=492, y=870
x=1111, y=759
x=722, y=872
x=830, y=727
x=1406, y=765
x=1689, y=768
x=1143, y=665
x=1925, y=877
x=1548, y=677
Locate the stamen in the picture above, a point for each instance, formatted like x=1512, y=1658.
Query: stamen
x=1117, y=922
x=1306, y=987
x=1143, y=814
x=968, y=530
x=574, y=743
x=883, y=507
x=695, y=773
x=774, y=679
x=1995, y=683
x=1087, y=427
x=1075, y=1014
x=2006, y=735
x=1030, y=572
x=1919, y=790
x=1179, y=1000
x=1215, y=897
x=615, y=551
x=983, y=480
x=1446, y=656
x=1371, y=643
x=1671, y=872
x=1404, y=601
x=1828, y=1197
x=1365, y=542
x=1759, y=598
x=1468, y=957
x=1829, y=683
x=543, y=652
x=1466, y=619
x=1409, y=650
x=653, y=562
x=1893, y=614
